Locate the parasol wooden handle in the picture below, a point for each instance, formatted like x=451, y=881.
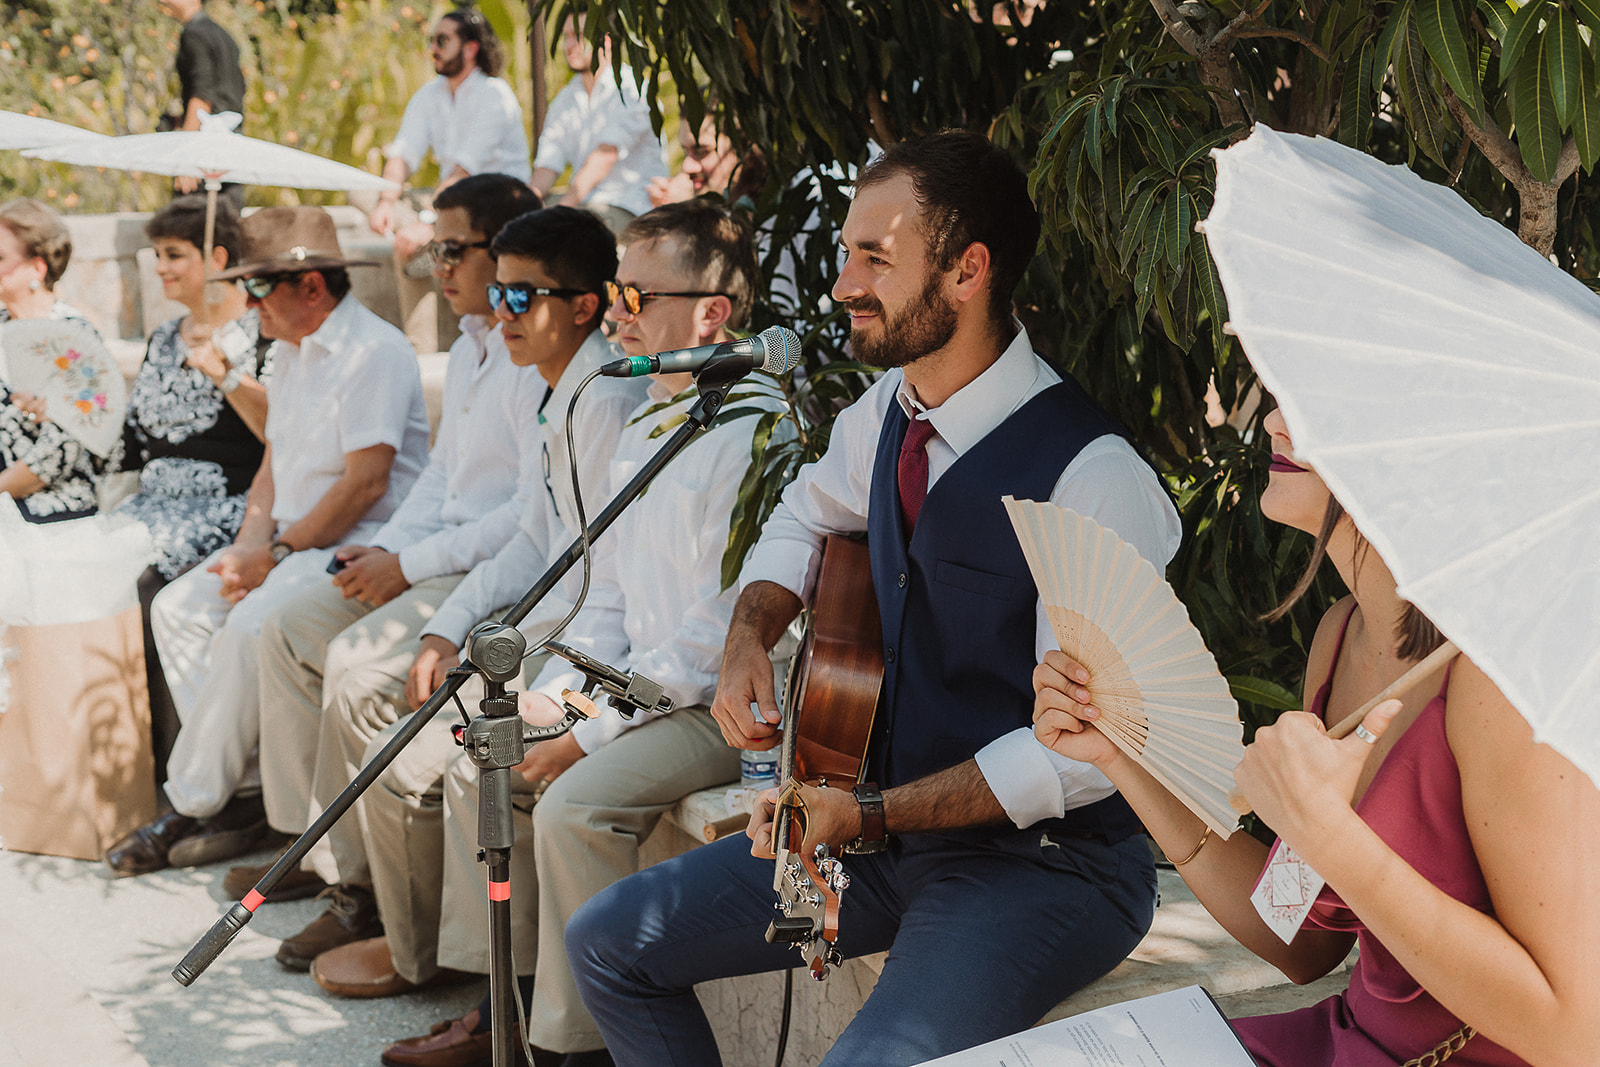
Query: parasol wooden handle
x=1432, y=662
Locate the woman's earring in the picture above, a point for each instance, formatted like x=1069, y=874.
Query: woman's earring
x=33, y=286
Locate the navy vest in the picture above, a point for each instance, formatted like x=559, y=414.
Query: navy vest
x=957, y=603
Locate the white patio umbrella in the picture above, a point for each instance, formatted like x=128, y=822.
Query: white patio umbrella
x=1444, y=380
x=29, y=131
x=215, y=154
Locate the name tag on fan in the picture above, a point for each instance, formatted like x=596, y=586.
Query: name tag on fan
x=1285, y=891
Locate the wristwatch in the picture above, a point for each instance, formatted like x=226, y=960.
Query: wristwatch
x=874, y=833
x=280, y=551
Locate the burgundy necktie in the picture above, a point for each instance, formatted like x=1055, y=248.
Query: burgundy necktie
x=914, y=471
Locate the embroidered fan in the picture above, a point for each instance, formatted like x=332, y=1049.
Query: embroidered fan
x=64, y=361
x=1160, y=695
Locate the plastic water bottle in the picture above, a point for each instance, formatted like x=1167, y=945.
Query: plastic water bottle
x=758, y=770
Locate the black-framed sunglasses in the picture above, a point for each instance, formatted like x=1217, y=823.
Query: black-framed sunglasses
x=518, y=296
x=634, y=298
x=261, y=285
x=451, y=253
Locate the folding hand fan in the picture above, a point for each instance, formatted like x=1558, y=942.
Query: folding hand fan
x=64, y=361
x=1160, y=695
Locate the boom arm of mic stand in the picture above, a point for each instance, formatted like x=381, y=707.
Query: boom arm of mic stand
x=209, y=947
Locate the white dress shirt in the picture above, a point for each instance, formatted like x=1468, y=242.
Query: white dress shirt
x=578, y=122
x=478, y=128
x=548, y=522
x=1106, y=481
x=656, y=605
x=465, y=506
x=351, y=384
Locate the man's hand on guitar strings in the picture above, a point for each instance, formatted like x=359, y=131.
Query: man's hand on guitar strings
x=760, y=829
x=746, y=679
x=832, y=817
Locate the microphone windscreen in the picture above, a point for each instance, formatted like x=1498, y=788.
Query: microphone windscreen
x=780, y=347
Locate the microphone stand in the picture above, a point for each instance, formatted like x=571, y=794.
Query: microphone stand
x=496, y=741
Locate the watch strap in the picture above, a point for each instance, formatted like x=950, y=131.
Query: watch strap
x=280, y=551
x=874, y=831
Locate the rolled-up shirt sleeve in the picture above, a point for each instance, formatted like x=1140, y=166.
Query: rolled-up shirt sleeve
x=827, y=497
x=1108, y=482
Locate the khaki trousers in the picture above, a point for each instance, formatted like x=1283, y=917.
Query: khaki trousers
x=333, y=675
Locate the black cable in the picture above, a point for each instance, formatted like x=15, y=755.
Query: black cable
x=788, y=1004
x=583, y=520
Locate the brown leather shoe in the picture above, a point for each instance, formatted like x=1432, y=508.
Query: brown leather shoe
x=351, y=915
x=145, y=849
x=238, y=828
x=296, y=885
x=361, y=969
x=449, y=1044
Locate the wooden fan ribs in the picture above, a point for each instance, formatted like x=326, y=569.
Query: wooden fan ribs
x=1161, y=698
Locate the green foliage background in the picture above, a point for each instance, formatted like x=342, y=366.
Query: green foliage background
x=1113, y=107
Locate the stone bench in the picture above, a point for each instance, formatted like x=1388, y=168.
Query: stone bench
x=1185, y=946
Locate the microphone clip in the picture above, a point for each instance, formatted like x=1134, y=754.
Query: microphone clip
x=627, y=692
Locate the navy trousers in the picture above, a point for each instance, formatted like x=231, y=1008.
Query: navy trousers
x=982, y=939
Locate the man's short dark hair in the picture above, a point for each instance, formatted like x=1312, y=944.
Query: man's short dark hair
x=491, y=200
x=716, y=252
x=184, y=219
x=572, y=245
x=970, y=192
x=472, y=26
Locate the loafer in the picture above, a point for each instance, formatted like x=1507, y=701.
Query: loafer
x=351, y=915
x=146, y=849
x=451, y=1043
x=361, y=969
x=238, y=828
x=296, y=885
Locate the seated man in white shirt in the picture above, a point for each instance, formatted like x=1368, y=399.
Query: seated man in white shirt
x=471, y=120
x=657, y=607
x=363, y=622
x=600, y=126
x=347, y=435
x=552, y=266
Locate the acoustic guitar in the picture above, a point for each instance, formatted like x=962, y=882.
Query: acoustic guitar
x=832, y=697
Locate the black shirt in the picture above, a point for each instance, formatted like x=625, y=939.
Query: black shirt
x=208, y=66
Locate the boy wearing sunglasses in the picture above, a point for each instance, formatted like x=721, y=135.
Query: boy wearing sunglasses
x=556, y=337
x=349, y=640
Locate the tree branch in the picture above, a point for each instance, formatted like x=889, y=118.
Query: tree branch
x=1292, y=35
x=1180, y=30
x=1235, y=28
x=1491, y=140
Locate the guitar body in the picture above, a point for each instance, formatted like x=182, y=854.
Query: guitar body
x=832, y=697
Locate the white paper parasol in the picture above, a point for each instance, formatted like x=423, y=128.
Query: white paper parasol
x=27, y=131
x=214, y=153
x=1444, y=380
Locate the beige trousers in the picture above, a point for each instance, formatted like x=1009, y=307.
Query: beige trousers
x=333, y=675
x=584, y=834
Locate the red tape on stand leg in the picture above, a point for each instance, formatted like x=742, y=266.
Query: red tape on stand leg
x=499, y=890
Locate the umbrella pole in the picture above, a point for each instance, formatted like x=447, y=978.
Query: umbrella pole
x=1432, y=662
x=213, y=289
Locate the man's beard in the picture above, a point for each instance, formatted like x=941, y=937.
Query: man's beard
x=926, y=325
x=449, y=68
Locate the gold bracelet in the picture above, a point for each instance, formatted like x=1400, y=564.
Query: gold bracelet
x=1202, y=844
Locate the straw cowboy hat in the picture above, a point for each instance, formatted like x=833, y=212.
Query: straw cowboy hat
x=289, y=240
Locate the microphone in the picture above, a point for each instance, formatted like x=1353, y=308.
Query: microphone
x=775, y=350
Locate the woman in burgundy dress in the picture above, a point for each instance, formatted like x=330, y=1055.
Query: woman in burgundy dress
x=1461, y=855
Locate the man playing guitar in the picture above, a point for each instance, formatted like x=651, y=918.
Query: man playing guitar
x=999, y=878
